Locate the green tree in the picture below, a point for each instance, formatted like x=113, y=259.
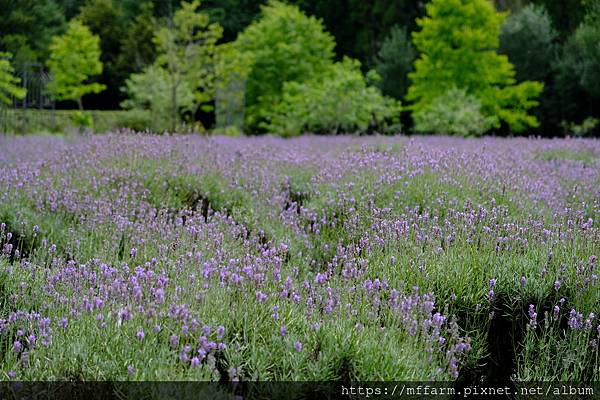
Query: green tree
x=566, y=14
x=395, y=61
x=106, y=19
x=232, y=71
x=26, y=27
x=531, y=44
x=138, y=49
x=233, y=15
x=151, y=90
x=286, y=46
x=74, y=59
x=581, y=55
x=457, y=44
x=187, y=49
x=9, y=83
x=360, y=27
x=529, y=41
x=339, y=100
x=577, y=81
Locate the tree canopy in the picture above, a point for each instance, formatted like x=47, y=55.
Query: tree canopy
x=9, y=83
x=286, y=45
x=74, y=59
x=458, y=42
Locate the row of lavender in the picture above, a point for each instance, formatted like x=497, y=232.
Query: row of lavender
x=173, y=258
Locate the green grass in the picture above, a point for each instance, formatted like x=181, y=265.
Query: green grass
x=587, y=156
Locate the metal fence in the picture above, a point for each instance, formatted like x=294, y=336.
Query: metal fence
x=36, y=109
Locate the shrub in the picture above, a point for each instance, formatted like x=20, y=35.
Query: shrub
x=82, y=120
x=586, y=127
x=286, y=46
x=453, y=113
x=339, y=100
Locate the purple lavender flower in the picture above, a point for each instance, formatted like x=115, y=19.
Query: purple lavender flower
x=523, y=281
x=140, y=335
x=261, y=297
x=575, y=320
x=17, y=346
x=220, y=332
x=195, y=362
x=298, y=346
x=590, y=320
x=283, y=330
x=532, y=316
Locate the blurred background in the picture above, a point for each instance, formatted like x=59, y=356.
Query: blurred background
x=461, y=67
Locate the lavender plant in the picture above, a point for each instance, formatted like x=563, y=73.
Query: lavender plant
x=138, y=257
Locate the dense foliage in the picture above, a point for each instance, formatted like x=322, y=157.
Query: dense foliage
x=547, y=41
x=9, y=83
x=394, y=62
x=457, y=45
x=286, y=46
x=529, y=40
x=27, y=28
x=74, y=59
x=339, y=100
x=453, y=113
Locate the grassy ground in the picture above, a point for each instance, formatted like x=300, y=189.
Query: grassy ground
x=184, y=258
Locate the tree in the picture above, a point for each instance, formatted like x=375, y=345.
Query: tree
x=106, y=19
x=394, y=62
x=138, y=49
x=529, y=41
x=339, y=100
x=233, y=15
x=457, y=44
x=360, y=27
x=9, y=83
x=151, y=90
x=577, y=77
x=232, y=71
x=26, y=27
x=187, y=50
x=286, y=46
x=74, y=59
x=566, y=14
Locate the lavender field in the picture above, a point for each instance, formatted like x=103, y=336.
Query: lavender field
x=139, y=257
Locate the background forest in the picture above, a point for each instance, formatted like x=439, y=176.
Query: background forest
x=253, y=66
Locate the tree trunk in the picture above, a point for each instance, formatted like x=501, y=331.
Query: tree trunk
x=80, y=104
